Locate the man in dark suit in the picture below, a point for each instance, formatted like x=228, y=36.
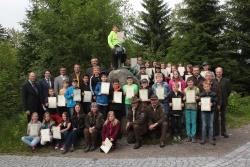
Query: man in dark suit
x=46, y=83
x=32, y=97
x=224, y=90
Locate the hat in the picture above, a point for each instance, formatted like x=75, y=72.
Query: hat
x=144, y=80
x=135, y=100
x=153, y=97
x=129, y=76
x=142, y=66
x=205, y=63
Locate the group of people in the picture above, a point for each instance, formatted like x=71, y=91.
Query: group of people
x=158, y=99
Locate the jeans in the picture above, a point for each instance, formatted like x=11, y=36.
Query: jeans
x=207, y=124
x=30, y=140
x=72, y=138
x=127, y=107
x=191, y=116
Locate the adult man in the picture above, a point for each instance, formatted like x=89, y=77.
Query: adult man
x=136, y=123
x=197, y=78
x=206, y=67
x=224, y=90
x=157, y=119
x=46, y=83
x=32, y=97
x=58, y=82
x=94, y=63
x=77, y=75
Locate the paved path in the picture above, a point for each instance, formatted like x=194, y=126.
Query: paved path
x=238, y=158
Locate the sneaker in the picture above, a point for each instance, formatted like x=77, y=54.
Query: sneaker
x=72, y=149
x=162, y=144
x=212, y=142
x=189, y=139
x=33, y=149
x=87, y=149
x=193, y=140
x=179, y=138
x=62, y=148
x=92, y=148
x=202, y=142
x=137, y=145
x=57, y=147
x=225, y=135
x=175, y=138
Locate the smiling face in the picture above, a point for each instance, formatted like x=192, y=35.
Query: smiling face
x=47, y=117
x=34, y=117
x=77, y=108
x=64, y=117
x=32, y=77
x=76, y=68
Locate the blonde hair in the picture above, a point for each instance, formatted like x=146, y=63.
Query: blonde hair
x=115, y=122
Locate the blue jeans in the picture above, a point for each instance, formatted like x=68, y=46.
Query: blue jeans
x=207, y=119
x=190, y=116
x=127, y=107
x=30, y=140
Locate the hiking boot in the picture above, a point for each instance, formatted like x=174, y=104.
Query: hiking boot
x=87, y=149
x=202, y=142
x=225, y=135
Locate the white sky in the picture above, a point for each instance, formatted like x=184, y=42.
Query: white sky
x=12, y=12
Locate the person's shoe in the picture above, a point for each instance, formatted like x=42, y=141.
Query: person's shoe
x=212, y=142
x=225, y=135
x=162, y=144
x=188, y=139
x=92, y=148
x=175, y=139
x=57, y=147
x=87, y=149
x=33, y=149
x=137, y=145
x=72, y=149
x=214, y=138
x=64, y=151
x=202, y=142
x=179, y=138
x=62, y=148
x=193, y=140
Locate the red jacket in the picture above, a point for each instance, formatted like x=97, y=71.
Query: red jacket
x=110, y=131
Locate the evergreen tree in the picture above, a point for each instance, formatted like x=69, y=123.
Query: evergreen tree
x=153, y=31
x=197, y=26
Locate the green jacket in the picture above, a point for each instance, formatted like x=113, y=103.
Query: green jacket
x=113, y=39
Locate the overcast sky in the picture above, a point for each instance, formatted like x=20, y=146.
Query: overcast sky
x=12, y=12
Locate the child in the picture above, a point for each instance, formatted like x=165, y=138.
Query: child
x=141, y=72
x=177, y=79
x=207, y=117
x=69, y=95
x=85, y=87
x=117, y=108
x=145, y=85
x=65, y=128
x=61, y=92
x=111, y=129
x=102, y=100
x=53, y=111
x=94, y=79
x=191, y=111
x=161, y=84
x=176, y=115
x=33, y=132
x=47, y=123
x=77, y=121
x=133, y=86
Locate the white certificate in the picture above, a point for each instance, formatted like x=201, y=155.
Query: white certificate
x=149, y=71
x=106, y=146
x=105, y=88
x=45, y=135
x=52, y=102
x=181, y=70
x=176, y=104
x=133, y=62
x=190, y=96
x=61, y=101
x=34, y=130
x=165, y=72
x=168, y=70
x=117, y=97
x=160, y=93
x=205, y=104
x=143, y=93
x=56, y=132
x=187, y=76
x=87, y=96
x=144, y=77
x=130, y=92
x=121, y=36
x=77, y=95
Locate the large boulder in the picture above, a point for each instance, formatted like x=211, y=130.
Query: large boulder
x=121, y=74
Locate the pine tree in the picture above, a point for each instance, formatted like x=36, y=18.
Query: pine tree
x=198, y=26
x=153, y=31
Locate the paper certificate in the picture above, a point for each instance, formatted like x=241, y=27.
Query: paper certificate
x=181, y=70
x=165, y=72
x=105, y=88
x=56, y=132
x=87, y=96
x=205, y=104
x=34, y=130
x=77, y=95
x=187, y=76
x=144, y=77
x=143, y=94
x=106, y=146
x=52, y=102
x=149, y=71
x=45, y=135
x=133, y=62
x=168, y=70
x=130, y=92
x=176, y=104
x=61, y=101
x=190, y=96
x=117, y=97
x=160, y=93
